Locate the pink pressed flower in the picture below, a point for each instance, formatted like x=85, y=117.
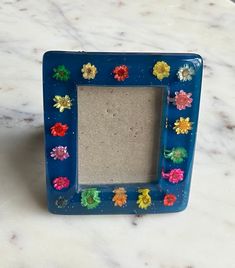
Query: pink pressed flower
x=59, y=152
x=182, y=100
x=61, y=183
x=174, y=176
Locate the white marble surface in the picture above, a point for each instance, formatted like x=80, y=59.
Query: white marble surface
x=204, y=234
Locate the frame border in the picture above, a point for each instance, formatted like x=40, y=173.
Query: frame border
x=163, y=195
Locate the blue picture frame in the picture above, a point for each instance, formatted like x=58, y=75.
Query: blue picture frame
x=179, y=74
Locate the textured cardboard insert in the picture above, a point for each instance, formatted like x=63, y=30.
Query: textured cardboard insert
x=119, y=134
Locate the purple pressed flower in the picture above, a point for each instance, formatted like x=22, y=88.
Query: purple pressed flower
x=59, y=152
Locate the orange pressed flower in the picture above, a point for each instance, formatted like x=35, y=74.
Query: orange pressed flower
x=182, y=125
x=120, y=197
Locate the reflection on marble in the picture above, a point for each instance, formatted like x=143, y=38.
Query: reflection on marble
x=204, y=234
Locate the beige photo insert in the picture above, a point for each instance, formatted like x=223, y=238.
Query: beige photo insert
x=119, y=134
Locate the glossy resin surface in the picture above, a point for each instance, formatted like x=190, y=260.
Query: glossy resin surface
x=180, y=77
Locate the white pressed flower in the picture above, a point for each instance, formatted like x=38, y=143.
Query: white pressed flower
x=185, y=73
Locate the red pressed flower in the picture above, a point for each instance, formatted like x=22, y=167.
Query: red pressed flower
x=59, y=130
x=121, y=72
x=169, y=200
x=61, y=183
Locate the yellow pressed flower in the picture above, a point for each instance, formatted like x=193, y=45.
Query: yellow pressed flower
x=182, y=125
x=89, y=71
x=62, y=102
x=161, y=70
x=144, y=199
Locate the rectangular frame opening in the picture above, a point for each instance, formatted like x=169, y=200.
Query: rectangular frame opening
x=119, y=131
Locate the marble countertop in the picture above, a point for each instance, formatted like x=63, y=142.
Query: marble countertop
x=201, y=236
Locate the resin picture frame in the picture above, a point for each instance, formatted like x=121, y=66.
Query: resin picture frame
x=120, y=131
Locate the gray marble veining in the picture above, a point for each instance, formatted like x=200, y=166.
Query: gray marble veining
x=203, y=235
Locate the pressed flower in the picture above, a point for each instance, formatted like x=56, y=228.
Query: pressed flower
x=185, y=73
x=182, y=125
x=61, y=73
x=121, y=72
x=161, y=70
x=61, y=202
x=169, y=200
x=166, y=123
x=61, y=183
x=176, y=155
x=120, y=196
x=90, y=198
x=60, y=153
x=182, y=100
x=174, y=176
x=62, y=103
x=59, y=129
x=89, y=71
x=144, y=199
